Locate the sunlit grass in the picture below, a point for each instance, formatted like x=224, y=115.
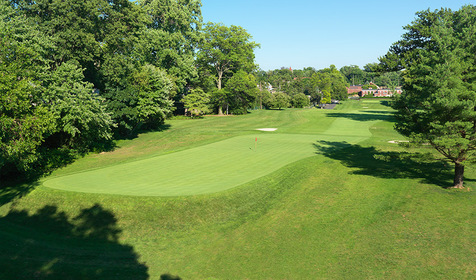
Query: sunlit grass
x=348, y=208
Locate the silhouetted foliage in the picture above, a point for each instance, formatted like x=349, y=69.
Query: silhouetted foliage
x=50, y=245
x=9, y=191
x=382, y=164
x=368, y=116
x=169, y=277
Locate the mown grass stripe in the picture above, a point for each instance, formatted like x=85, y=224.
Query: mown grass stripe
x=211, y=168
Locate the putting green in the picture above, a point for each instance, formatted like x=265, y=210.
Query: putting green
x=211, y=168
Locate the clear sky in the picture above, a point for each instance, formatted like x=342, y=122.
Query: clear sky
x=315, y=33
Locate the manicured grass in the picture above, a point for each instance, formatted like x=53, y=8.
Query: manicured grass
x=220, y=165
x=351, y=209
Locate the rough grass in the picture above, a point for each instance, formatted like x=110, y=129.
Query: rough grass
x=351, y=210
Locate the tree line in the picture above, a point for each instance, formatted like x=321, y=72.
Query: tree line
x=74, y=75
x=290, y=86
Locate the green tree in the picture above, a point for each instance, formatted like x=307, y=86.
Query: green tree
x=325, y=97
x=300, y=100
x=48, y=111
x=242, y=92
x=353, y=74
x=371, y=71
x=263, y=98
x=81, y=118
x=99, y=34
x=145, y=103
x=225, y=50
x=280, y=100
x=197, y=102
x=171, y=37
x=219, y=98
x=438, y=103
x=25, y=121
x=332, y=81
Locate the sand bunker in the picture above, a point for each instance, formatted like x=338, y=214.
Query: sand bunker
x=267, y=129
x=398, y=141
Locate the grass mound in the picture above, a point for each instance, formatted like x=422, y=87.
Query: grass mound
x=347, y=204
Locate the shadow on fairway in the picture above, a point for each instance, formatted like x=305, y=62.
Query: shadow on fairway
x=367, y=116
x=169, y=277
x=50, y=245
x=387, y=103
x=121, y=135
x=372, y=162
x=10, y=192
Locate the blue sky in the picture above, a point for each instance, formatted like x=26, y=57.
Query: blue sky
x=315, y=33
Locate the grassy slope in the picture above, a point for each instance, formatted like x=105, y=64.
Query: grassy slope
x=338, y=214
x=220, y=165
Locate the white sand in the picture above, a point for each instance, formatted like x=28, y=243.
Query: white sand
x=267, y=129
x=398, y=141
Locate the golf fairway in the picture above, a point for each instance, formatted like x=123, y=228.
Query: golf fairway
x=210, y=168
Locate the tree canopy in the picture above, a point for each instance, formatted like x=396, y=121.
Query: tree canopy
x=332, y=81
x=75, y=74
x=197, y=102
x=226, y=50
x=437, y=107
x=48, y=112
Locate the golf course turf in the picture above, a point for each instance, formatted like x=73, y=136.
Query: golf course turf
x=210, y=168
x=325, y=196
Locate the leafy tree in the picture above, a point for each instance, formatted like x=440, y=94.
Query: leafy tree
x=279, y=78
x=81, y=118
x=197, y=102
x=171, y=37
x=332, y=81
x=263, y=98
x=99, y=34
x=219, y=98
x=226, y=50
x=353, y=74
x=242, y=91
x=45, y=107
x=325, y=97
x=300, y=100
x=280, y=100
x=145, y=103
x=24, y=119
x=371, y=71
x=439, y=98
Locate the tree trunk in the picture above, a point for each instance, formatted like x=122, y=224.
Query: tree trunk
x=459, y=173
x=220, y=74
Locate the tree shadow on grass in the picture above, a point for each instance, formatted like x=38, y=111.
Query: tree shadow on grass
x=392, y=165
x=363, y=117
x=168, y=276
x=9, y=191
x=387, y=103
x=50, y=245
x=140, y=130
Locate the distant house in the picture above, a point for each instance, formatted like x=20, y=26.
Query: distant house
x=354, y=89
x=386, y=92
x=376, y=92
x=368, y=91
